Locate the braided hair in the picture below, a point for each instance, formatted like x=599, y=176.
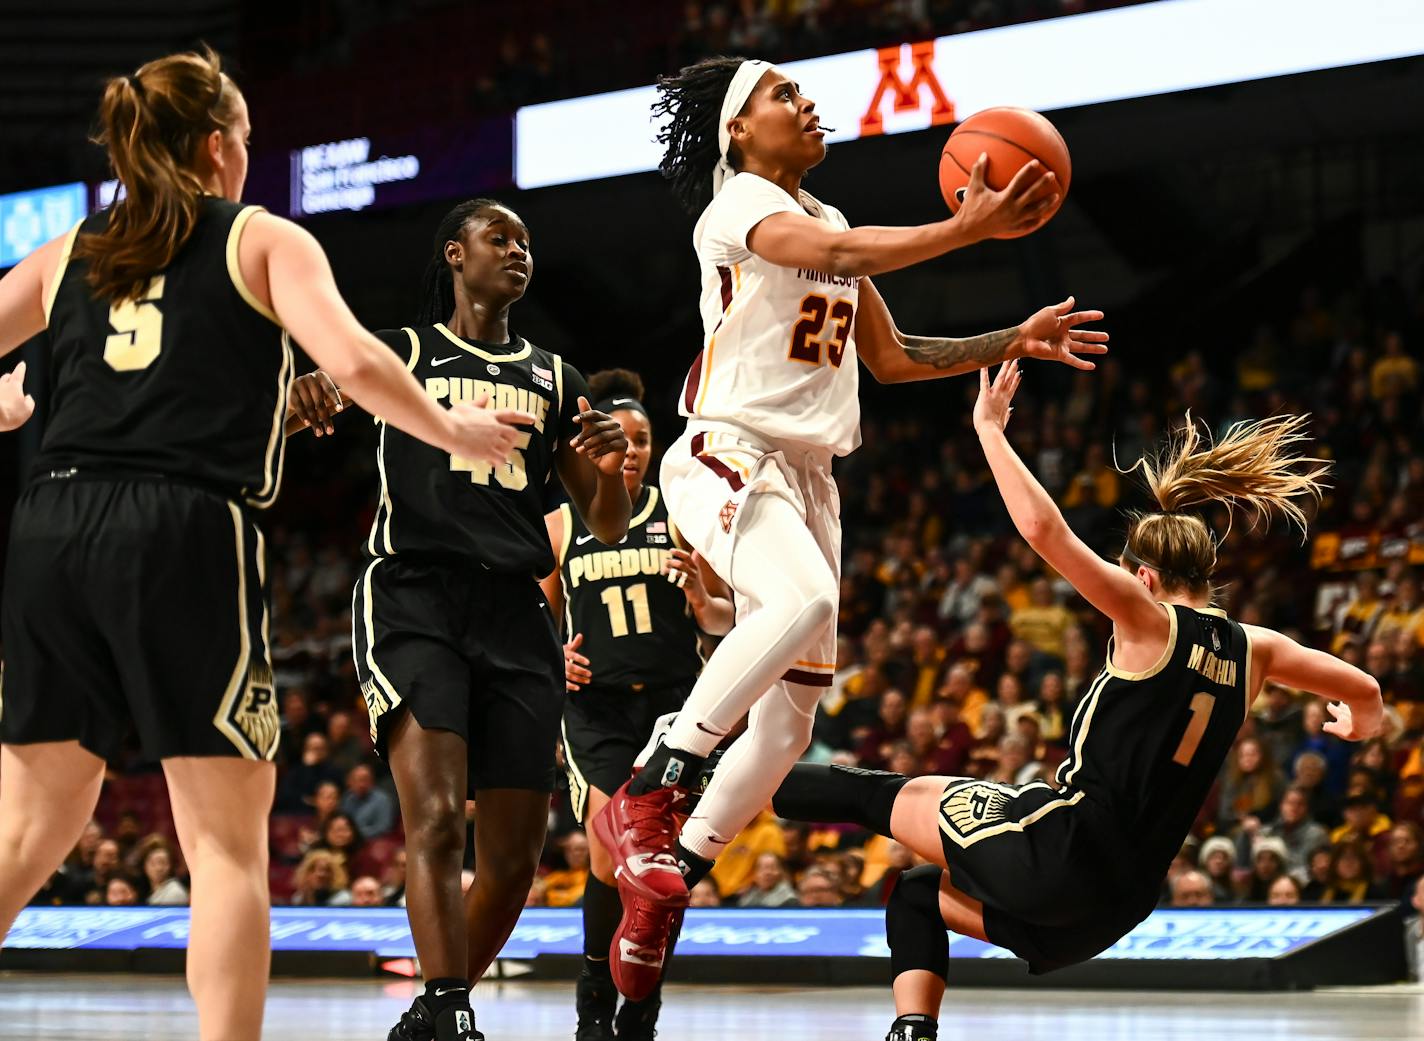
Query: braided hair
x=437, y=284
x=691, y=104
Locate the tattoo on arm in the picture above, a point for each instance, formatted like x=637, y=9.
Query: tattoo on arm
x=944, y=353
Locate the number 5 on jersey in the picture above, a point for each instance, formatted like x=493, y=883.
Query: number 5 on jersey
x=815, y=310
x=138, y=330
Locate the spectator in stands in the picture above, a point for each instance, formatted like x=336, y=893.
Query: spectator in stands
x=160, y=884
x=120, y=892
x=769, y=885
x=1414, y=934
x=1191, y=889
x=737, y=863
x=564, y=886
x=297, y=723
x=1250, y=787
x=704, y=894
x=874, y=747
x=1404, y=864
x=1218, y=862
x=1363, y=821
x=1403, y=613
x=984, y=756
x=393, y=881
x=1395, y=373
x=965, y=592
x=1053, y=716
x=107, y=863
x=1044, y=622
x=320, y=881
x=345, y=749
x=927, y=654
x=1322, y=860
x=1331, y=749
x=366, y=892
x=818, y=888
x=1284, y=891
x=298, y=787
x=1278, y=722
x=1309, y=778
x=1016, y=764
x=1268, y=863
x=370, y=807
x=1351, y=876
x=1293, y=826
x=339, y=835
x=1356, y=621
x=954, y=741
x=127, y=833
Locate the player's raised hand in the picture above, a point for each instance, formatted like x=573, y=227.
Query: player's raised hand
x=576, y=671
x=994, y=407
x=601, y=441
x=1027, y=201
x=15, y=405
x=487, y=435
x=1355, y=724
x=684, y=570
x=1052, y=334
x=314, y=400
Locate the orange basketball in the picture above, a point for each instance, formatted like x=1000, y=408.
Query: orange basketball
x=1011, y=137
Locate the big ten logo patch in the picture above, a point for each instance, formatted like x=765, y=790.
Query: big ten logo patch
x=909, y=94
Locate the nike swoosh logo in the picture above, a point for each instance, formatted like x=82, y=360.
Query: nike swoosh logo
x=450, y=990
x=631, y=952
x=582, y=539
x=622, y=401
x=441, y=361
x=642, y=863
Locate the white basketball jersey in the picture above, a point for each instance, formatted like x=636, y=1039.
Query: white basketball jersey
x=778, y=355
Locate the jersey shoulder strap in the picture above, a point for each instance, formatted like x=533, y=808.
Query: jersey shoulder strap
x=568, y=518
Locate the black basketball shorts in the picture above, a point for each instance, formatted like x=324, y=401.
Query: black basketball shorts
x=1051, y=871
x=604, y=730
x=467, y=650
x=136, y=604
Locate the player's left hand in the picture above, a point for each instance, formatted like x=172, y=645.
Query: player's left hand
x=684, y=570
x=601, y=441
x=993, y=409
x=15, y=405
x=314, y=399
x=1358, y=724
x=1052, y=334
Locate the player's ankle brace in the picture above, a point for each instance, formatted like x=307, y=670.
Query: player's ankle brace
x=914, y=926
x=914, y=1028
x=837, y=794
x=667, y=768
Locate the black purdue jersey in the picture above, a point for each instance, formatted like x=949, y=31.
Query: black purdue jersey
x=1148, y=746
x=636, y=625
x=189, y=381
x=436, y=504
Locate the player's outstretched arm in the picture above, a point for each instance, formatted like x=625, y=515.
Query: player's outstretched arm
x=1109, y=588
x=1050, y=334
x=590, y=465
x=284, y=262
x=23, y=293
x=798, y=240
x=1275, y=656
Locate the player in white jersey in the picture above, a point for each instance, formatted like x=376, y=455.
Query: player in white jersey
x=787, y=310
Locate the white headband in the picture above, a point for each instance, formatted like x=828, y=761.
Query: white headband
x=748, y=75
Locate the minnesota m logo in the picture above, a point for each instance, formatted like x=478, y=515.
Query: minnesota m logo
x=907, y=94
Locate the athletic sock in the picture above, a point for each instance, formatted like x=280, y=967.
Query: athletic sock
x=602, y=910
x=914, y=1028
x=445, y=993
x=666, y=768
x=838, y=794
x=695, y=867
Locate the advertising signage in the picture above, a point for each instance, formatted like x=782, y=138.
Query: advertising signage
x=1193, y=935
x=1157, y=48
x=31, y=218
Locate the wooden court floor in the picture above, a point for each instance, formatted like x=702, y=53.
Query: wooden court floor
x=89, y=1006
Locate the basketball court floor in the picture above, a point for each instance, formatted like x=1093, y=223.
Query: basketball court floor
x=102, y=1008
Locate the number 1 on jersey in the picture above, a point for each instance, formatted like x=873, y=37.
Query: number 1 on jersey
x=618, y=614
x=1201, y=706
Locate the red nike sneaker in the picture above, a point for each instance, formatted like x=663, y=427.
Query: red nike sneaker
x=639, y=831
x=639, y=946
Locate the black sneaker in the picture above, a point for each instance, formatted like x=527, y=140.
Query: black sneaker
x=595, y=1000
x=638, y=1020
x=417, y=1024
x=902, y=1031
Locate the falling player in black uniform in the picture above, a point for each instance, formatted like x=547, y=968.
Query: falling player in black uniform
x=1058, y=873
x=631, y=655
x=459, y=660
x=135, y=592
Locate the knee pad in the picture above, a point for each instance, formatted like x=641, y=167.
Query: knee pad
x=914, y=928
x=838, y=795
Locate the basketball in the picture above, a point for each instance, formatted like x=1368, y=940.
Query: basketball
x=1011, y=137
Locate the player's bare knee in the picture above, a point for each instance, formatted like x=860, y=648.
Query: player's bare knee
x=438, y=827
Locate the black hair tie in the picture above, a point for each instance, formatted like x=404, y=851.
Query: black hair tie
x=137, y=86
